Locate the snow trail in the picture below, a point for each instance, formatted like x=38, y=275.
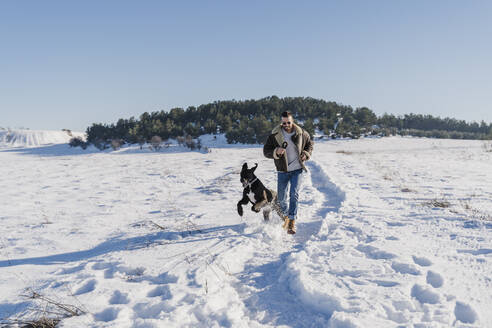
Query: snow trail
x=263, y=284
x=248, y=264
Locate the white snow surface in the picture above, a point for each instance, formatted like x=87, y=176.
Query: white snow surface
x=35, y=138
x=392, y=232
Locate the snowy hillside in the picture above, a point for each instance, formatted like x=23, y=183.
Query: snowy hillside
x=34, y=138
x=392, y=232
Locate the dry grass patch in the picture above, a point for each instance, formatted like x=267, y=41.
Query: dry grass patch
x=44, y=313
x=344, y=152
x=474, y=212
x=441, y=203
x=387, y=177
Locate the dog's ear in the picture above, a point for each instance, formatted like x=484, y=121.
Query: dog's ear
x=245, y=166
x=254, y=168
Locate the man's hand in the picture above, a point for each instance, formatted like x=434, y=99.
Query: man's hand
x=303, y=157
x=280, y=151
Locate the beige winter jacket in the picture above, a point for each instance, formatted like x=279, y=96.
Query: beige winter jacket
x=301, y=139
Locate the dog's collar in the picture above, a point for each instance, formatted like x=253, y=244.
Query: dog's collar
x=251, y=182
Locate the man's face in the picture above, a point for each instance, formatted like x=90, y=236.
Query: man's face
x=287, y=124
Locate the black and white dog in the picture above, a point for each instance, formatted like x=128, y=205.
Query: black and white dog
x=256, y=193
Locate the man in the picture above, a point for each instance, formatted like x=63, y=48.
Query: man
x=290, y=146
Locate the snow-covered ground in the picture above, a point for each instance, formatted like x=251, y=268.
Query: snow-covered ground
x=35, y=138
x=392, y=232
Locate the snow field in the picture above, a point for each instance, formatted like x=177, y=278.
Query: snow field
x=383, y=239
x=143, y=239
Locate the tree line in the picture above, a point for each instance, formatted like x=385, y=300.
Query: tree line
x=251, y=121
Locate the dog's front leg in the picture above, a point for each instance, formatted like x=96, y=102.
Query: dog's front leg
x=243, y=201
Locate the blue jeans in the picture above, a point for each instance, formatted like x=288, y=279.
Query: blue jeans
x=283, y=180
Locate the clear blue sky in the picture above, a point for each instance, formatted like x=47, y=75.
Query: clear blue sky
x=68, y=64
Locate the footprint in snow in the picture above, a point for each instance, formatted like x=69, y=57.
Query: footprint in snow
x=71, y=269
x=476, y=252
x=434, y=279
x=424, y=295
x=465, y=313
x=119, y=298
x=374, y=253
x=395, y=224
x=151, y=311
x=102, y=265
x=107, y=315
x=163, y=291
x=108, y=267
x=87, y=287
x=422, y=261
x=385, y=283
x=405, y=268
x=109, y=273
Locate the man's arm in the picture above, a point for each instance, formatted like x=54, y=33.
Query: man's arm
x=269, y=147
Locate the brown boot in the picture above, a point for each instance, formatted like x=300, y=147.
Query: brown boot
x=286, y=222
x=291, y=228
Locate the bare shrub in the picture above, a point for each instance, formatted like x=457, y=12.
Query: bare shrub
x=116, y=144
x=181, y=140
x=155, y=142
x=77, y=142
x=187, y=141
x=141, y=141
x=101, y=144
x=190, y=143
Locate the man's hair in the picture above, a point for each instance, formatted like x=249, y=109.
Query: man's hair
x=287, y=114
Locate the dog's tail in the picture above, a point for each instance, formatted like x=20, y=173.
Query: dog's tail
x=275, y=204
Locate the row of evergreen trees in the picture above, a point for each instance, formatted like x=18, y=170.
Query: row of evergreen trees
x=251, y=121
